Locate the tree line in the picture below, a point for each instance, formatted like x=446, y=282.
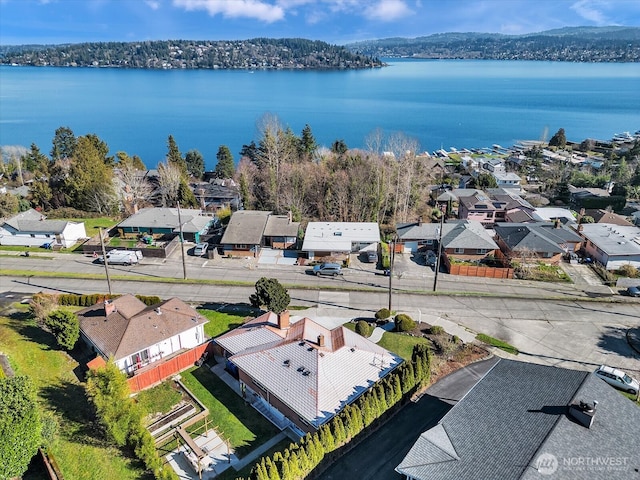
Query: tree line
x=280, y=172
x=258, y=53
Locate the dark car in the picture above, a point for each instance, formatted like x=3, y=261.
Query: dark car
x=633, y=291
x=371, y=256
x=431, y=258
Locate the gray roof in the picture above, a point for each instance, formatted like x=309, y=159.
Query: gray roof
x=32, y=221
x=613, y=239
x=455, y=234
x=518, y=412
x=281, y=226
x=245, y=227
x=536, y=237
x=192, y=219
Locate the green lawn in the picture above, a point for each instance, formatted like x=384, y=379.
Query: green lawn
x=159, y=399
x=220, y=322
x=80, y=451
x=502, y=345
x=400, y=344
x=234, y=419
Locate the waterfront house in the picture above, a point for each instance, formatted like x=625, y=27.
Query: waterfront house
x=339, y=239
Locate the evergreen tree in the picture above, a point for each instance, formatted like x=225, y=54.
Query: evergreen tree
x=272, y=470
x=250, y=151
x=338, y=430
x=174, y=156
x=65, y=327
x=225, y=168
x=271, y=295
x=186, y=197
x=308, y=143
x=64, y=144
x=368, y=407
x=397, y=388
x=36, y=162
x=326, y=438
x=195, y=163
x=559, y=139
x=339, y=147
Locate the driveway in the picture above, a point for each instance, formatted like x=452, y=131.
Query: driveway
x=377, y=456
x=581, y=274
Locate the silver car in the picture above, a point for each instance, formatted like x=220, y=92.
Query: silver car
x=618, y=379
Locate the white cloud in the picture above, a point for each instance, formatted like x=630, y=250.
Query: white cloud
x=590, y=10
x=152, y=4
x=388, y=10
x=257, y=9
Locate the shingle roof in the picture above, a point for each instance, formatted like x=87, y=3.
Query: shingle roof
x=245, y=227
x=455, y=234
x=315, y=382
x=518, y=412
x=133, y=326
x=281, y=225
x=192, y=219
x=32, y=221
x=536, y=237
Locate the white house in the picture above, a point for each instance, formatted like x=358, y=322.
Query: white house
x=324, y=239
x=507, y=180
x=612, y=245
x=136, y=335
x=32, y=229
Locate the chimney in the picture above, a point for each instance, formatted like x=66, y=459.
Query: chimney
x=420, y=221
x=283, y=320
x=321, y=340
x=556, y=223
x=109, y=308
x=289, y=215
x=583, y=412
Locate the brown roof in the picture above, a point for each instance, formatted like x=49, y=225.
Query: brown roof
x=602, y=216
x=133, y=326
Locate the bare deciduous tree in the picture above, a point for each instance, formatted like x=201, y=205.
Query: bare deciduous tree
x=169, y=177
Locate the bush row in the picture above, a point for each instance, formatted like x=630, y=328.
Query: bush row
x=74, y=300
x=324, y=446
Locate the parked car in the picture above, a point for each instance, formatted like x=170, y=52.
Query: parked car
x=200, y=249
x=633, y=291
x=331, y=269
x=371, y=256
x=122, y=257
x=431, y=258
x=618, y=379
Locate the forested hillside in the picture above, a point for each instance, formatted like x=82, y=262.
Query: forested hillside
x=258, y=53
x=579, y=44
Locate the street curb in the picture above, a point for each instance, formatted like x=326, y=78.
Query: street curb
x=631, y=342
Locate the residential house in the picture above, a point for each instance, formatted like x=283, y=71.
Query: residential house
x=509, y=206
x=249, y=231
x=479, y=208
x=302, y=372
x=156, y=221
x=136, y=335
x=339, y=239
x=461, y=239
x=578, y=194
x=507, y=180
x=32, y=229
x=604, y=216
x=612, y=245
x=524, y=421
x=493, y=165
x=217, y=195
x=533, y=242
x=551, y=214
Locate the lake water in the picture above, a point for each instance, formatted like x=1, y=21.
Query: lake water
x=448, y=103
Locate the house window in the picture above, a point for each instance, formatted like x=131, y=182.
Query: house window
x=135, y=229
x=48, y=236
x=482, y=251
x=33, y=235
x=140, y=359
x=242, y=246
x=458, y=250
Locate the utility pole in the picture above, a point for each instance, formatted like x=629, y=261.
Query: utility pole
x=184, y=265
x=435, y=278
x=392, y=255
x=104, y=258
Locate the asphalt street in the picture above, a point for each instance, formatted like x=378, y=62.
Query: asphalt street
x=570, y=325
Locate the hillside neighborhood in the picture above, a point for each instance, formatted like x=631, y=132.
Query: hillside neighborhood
x=276, y=387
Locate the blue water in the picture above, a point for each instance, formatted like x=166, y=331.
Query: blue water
x=462, y=104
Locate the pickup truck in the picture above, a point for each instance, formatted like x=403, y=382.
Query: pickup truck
x=122, y=257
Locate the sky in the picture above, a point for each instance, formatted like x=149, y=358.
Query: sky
x=333, y=21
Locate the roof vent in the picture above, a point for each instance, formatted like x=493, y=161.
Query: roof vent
x=306, y=373
x=300, y=369
x=310, y=349
x=337, y=234
x=287, y=363
x=158, y=311
x=301, y=344
x=583, y=412
x=352, y=349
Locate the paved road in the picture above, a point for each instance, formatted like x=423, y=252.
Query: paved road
x=377, y=456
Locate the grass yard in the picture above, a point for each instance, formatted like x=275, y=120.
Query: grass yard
x=400, y=344
x=497, y=343
x=80, y=450
x=220, y=322
x=159, y=399
x=234, y=419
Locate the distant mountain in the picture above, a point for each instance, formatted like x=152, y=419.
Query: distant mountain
x=257, y=53
x=572, y=44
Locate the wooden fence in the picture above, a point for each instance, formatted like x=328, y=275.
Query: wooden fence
x=154, y=374
x=476, y=270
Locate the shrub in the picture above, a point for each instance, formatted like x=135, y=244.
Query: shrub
x=628, y=271
x=404, y=323
x=42, y=305
x=456, y=339
x=363, y=328
x=436, y=330
x=65, y=327
x=383, y=314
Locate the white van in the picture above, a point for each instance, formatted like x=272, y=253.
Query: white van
x=122, y=257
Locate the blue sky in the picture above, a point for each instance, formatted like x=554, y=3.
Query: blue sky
x=334, y=21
